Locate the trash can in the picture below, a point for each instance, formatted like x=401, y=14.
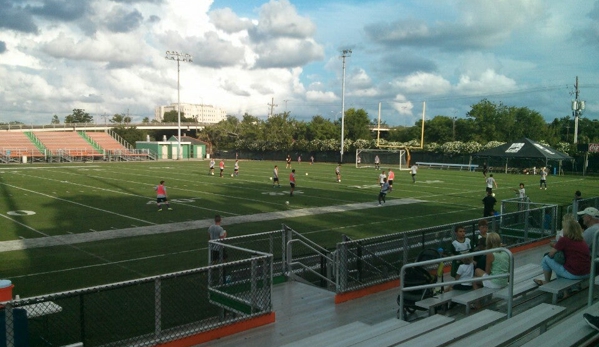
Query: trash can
x=24, y=159
x=6, y=290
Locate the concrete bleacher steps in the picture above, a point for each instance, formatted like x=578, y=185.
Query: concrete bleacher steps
x=19, y=144
x=512, y=329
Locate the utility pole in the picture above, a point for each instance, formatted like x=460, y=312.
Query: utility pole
x=286, y=105
x=178, y=57
x=272, y=106
x=454, y=119
x=344, y=54
x=577, y=108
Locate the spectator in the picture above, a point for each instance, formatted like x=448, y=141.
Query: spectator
x=590, y=218
x=496, y=263
x=577, y=263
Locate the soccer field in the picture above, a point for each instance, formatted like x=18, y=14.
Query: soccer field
x=70, y=226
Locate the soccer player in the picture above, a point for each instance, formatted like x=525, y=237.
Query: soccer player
x=485, y=169
x=377, y=162
x=490, y=183
x=390, y=178
x=311, y=160
x=359, y=161
x=338, y=172
x=211, y=171
x=384, y=190
x=414, y=171
x=275, y=177
x=299, y=159
x=236, y=168
x=288, y=161
x=543, y=181
x=161, y=196
x=489, y=205
x=292, y=181
x=221, y=165
x=382, y=178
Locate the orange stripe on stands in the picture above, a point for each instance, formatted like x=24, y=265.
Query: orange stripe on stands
x=528, y=246
x=221, y=332
x=343, y=297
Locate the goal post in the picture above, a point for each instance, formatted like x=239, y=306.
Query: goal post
x=388, y=158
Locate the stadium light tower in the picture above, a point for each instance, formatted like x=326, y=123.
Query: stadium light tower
x=345, y=53
x=179, y=57
x=577, y=108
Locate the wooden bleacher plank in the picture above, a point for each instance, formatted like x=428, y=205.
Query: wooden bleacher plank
x=331, y=335
x=405, y=333
x=457, y=330
x=514, y=328
x=570, y=332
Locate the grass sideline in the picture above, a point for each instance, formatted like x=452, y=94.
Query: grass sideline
x=82, y=199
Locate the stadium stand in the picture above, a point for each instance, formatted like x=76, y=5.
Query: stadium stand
x=17, y=147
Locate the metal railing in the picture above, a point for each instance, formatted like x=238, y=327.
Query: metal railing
x=509, y=275
x=147, y=311
x=594, y=260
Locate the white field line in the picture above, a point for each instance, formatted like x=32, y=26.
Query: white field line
x=59, y=240
x=23, y=225
x=124, y=193
x=77, y=203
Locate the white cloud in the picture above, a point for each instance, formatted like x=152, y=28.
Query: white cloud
x=318, y=96
x=421, y=82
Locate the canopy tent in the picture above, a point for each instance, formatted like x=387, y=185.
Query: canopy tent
x=524, y=148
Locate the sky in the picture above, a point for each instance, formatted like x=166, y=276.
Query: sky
x=108, y=57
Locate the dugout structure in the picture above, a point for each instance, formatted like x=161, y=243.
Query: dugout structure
x=388, y=158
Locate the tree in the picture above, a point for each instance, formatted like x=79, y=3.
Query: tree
x=146, y=120
x=78, y=116
x=321, y=128
x=130, y=134
x=120, y=119
x=357, y=125
x=173, y=117
x=55, y=120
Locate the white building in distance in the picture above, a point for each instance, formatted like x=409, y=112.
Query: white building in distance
x=200, y=112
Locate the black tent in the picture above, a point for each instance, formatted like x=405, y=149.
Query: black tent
x=523, y=148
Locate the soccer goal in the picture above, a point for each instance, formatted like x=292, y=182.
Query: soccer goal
x=388, y=158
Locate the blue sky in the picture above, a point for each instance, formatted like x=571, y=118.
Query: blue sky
x=107, y=56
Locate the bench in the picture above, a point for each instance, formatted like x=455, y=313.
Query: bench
x=557, y=286
x=470, y=167
x=473, y=296
x=512, y=329
x=457, y=330
x=523, y=281
x=432, y=303
x=570, y=332
x=393, y=336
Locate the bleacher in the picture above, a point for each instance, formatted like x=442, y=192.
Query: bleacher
x=105, y=141
x=68, y=146
x=16, y=147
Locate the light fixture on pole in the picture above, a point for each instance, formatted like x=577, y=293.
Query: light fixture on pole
x=174, y=55
x=345, y=53
x=577, y=108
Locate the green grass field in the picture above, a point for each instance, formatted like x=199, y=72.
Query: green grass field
x=38, y=201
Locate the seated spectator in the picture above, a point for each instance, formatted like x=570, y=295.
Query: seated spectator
x=465, y=271
x=497, y=263
x=577, y=263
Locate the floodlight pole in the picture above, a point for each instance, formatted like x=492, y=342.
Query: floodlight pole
x=345, y=53
x=174, y=55
x=577, y=108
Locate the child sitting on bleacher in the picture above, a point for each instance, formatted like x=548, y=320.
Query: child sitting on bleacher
x=460, y=245
x=465, y=271
x=496, y=263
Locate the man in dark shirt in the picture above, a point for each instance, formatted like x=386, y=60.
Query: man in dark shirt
x=489, y=203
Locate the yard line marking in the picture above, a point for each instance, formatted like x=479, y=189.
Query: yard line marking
x=192, y=225
x=79, y=204
x=23, y=225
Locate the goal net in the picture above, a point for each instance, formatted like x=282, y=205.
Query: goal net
x=388, y=158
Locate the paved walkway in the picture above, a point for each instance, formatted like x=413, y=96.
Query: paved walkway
x=15, y=245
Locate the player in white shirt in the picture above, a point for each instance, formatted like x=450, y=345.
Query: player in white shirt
x=490, y=183
x=382, y=178
x=414, y=171
x=212, y=163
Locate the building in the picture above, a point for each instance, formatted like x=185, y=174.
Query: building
x=200, y=112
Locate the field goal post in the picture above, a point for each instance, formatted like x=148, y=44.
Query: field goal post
x=388, y=158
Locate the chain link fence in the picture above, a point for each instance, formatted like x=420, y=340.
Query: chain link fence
x=143, y=312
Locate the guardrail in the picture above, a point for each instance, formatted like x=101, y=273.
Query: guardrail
x=509, y=275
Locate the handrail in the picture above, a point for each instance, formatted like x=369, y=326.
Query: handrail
x=291, y=262
x=594, y=260
x=509, y=275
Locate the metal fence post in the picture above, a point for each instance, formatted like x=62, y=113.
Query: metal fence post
x=157, y=307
